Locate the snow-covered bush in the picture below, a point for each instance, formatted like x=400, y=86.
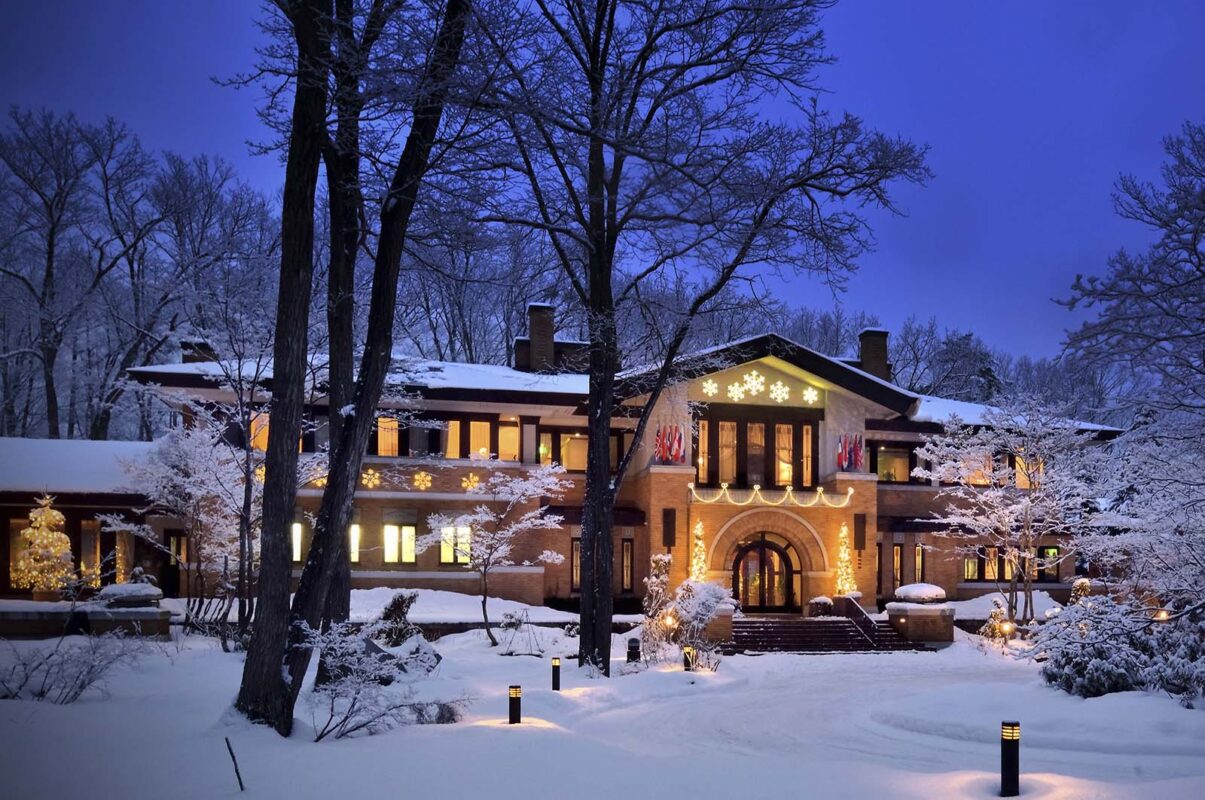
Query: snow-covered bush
x=1081, y=588
x=659, y=623
x=696, y=603
x=394, y=623
x=920, y=593
x=367, y=689
x=61, y=672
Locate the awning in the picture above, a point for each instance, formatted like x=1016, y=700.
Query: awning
x=623, y=515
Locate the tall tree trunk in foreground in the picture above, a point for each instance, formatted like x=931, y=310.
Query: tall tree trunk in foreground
x=335, y=512
x=263, y=695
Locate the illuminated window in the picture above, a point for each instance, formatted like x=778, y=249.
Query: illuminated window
x=545, y=448
x=575, y=565
x=919, y=563
x=991, y=564
x=479, y=439
x=897, y=564
x=451, y=439
x=387, y=430
x=353, y=543
x=755, y=453
x=806, y=456
x=783, y=458
x=970, y=568
x=508, y=442
x=259, y=431
x=409, y=533
x=296, y=542
x=1026, y=473
x=701, y=459
x=891, y=463
x=454, y=545
x=727, y=452
x=628, y=564
x=399, y=544
x=1048, y=566
x=573, y=451
x=980, y=471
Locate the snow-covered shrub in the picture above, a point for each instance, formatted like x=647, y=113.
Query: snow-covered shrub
x=130, y=594
x=920, y=593
x=1091, y=649
x=61, y=672
x=395, y=626
x=659, y=622
x=367, y=689
x=1079, y=590
x=696, y=604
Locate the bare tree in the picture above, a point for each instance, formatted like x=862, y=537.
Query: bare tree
x=639, y=133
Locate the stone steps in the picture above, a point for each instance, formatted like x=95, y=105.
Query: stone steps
x=802, y=635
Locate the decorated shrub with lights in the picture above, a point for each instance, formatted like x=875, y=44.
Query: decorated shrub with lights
x=45, y=563
x=659, y=620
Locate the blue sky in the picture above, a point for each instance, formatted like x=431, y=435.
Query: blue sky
x=1030, y=109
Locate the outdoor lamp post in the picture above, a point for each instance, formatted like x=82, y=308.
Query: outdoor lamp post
x=1010, y=759
x=556, y=674
x=516, y=705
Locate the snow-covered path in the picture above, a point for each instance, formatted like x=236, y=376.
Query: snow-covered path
x=905, y=725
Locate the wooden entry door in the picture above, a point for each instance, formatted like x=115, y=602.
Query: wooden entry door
x=763, y=577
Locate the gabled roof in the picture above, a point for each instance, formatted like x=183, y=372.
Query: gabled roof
x=835, y=371
x=69, y=466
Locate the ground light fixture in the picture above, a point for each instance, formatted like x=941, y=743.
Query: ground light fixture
x=688, y=658
x=516, y=704
x=556, y=674
x=1010, y=759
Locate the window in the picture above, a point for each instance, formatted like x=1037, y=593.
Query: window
x=508, y=442
x=878, y=568
x=728, y=452
x=1026, y=473
x=399, y=543
x=259, y=431
x=545, y=448
x=1048, y=564
x=575, y=565
x=980, y=471
x=479, y=439
x=353, y=543
x=628, y=564
x=454, y=545
x=782, y=455
x=573, y=451
x=892, y=465
x=897, y=564
x=451, y=439
x=970, y=568
x=919, y=563
x=89, y=550
x=296, y=542
x=755, y=454
x=419, y=438
x=387, y=431
x=806, y=456
x=991, y=564
x=702, y=455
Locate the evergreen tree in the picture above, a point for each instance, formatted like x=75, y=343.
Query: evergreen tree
x=845, y=566
x=45, y=563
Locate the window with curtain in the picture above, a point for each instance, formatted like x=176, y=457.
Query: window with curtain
x=991, y=564
x=479, y=439
x=897, y=564
x=454, y=545
x=782, y=455
x=508, y=442
x=451, y=439
x=575, y=565
x=391, y=540
x=919, y=563
x=259, y=431
x=353, y=543
x=573, y=451
x=755, y=454
x=628, y=565
x=701, y=456
x=970, y=568
x=296, y=542
x=805, y=458
x=387, y=439
x=545, y=448
x=727, y=452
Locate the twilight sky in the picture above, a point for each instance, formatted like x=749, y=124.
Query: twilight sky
x=1030, y=109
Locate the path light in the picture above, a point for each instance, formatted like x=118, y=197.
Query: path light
x=633, y=650
x=1161, y=615
x=1010, y=759
x=556, y=674
x=516, y=705
x=688, y=658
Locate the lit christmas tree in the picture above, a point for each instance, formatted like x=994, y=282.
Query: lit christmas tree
x=45, y=563
x=845, y=566
x=698, y=555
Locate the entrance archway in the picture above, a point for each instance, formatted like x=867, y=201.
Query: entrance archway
x=763, y=576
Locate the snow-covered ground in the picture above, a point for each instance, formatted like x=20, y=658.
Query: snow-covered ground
x=906, y=725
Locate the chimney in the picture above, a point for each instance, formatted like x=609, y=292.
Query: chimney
x=872, y=353
x=540, y=332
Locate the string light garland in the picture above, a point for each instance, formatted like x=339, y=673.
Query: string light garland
x=45, y=563
x=698, y=555
x=845, y=565
x=756, y=495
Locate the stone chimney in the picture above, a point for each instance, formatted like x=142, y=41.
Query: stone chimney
x=540, y=332
x=872, y=353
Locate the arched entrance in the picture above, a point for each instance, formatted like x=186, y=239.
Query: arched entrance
x=764, y=575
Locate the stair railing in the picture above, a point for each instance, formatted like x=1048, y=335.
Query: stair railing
x=851, y=610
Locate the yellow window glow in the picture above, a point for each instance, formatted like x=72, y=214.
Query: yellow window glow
x=259, y=431
x=454, y=545
x=353, y=543
x=296, y=541
x=408, y=537
x=391, y=534
x=387, y=436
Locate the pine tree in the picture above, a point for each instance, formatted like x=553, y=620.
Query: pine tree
x=45, y=563
x=698, y=555
x=845, y=566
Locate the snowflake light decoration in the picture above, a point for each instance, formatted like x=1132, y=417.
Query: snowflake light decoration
x=370, y=478
x=470, y=481
x=810, y=395
x=755, y=383
x=422, y=481
x=779, y=392
x=710, y=387
x=736, y=391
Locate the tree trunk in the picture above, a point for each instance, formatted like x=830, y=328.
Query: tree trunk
x=50, y=354
x=335, y=511
x=263, y=695
x=485, y=613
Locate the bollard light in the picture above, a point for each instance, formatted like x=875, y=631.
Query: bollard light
x=688, y=658
x=556, y=674
x=633, y=650
x=1010, y=759
x=516, y=705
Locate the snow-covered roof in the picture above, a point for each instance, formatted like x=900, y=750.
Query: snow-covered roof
x=68, y=465
x=940, y=409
